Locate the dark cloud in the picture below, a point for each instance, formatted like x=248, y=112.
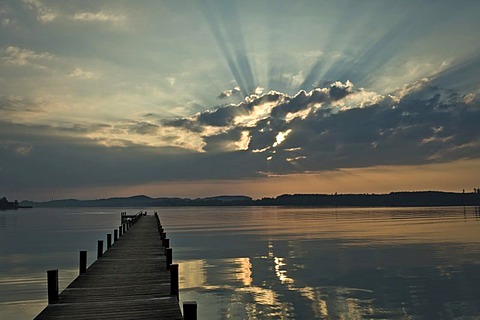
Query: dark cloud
x=144, y=128
x=80, y=128
x=303, y=100
x=60, y=161
x=412, y=131
x=339, y=90
x=20, y=104
x=224, y=141
x=425, y=125
x=189, y=124
x=222, y=116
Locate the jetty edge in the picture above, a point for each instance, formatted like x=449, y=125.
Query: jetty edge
x=134, y=278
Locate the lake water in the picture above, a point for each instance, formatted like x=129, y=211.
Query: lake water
x=270, y=263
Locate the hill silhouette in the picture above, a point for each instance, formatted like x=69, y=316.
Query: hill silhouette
x=393, y=199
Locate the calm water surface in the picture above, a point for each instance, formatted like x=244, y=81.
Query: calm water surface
x=271, y=263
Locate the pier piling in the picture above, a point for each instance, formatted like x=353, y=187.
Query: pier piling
x=83, y=262
x=100, y=249
x=174, y=280
x=52, y=285
x=190, y=310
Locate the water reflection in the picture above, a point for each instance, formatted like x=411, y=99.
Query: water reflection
x=272, y=263
x=418, y=263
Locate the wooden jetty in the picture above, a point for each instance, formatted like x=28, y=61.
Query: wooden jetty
x=133, y=279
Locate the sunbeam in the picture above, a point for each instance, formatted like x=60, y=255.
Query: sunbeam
x=226, y=28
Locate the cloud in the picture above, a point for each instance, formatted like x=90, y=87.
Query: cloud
x=15, y=56
x=48, y=14
x=144, y=128
x=338, y=127
x=329, y=128
x=62, y=160
x=99, y=16
x=230, y=93
x=7, y=17
x=82, y=74
x=232, y=140
x=44, y=13
x=19, y=104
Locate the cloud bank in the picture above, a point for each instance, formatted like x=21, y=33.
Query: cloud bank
x=338, y=126
x=327, y=128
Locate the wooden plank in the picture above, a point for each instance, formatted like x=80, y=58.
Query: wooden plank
x=130, y=281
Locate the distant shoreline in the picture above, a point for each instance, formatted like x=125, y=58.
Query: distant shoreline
x=7, y=205
x=393, y=199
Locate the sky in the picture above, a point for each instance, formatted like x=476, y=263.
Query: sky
x=201, y=98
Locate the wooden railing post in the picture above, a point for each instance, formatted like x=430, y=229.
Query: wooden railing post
x=115, y=235
x=52, y=286
x=190, y=310
x=174, y=280
x=120, y=231
x=109, y=240
x=100, y=249
x=168, y=253
x=166, y=243
x=83, y=262
x=124, y=227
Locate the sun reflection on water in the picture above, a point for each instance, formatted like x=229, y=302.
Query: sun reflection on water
x=282, y=263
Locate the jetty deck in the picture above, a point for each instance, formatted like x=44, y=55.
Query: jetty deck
x=129, y=281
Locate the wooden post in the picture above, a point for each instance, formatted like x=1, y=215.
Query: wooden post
x=174, y=280
x=166, y=243
x=168, y=253
x=83, y=262
x=109, y=240
x=100, y=249
x=123, y=226
x=52, y=286
x=115, y=235
x=190, y=310
x=120, y=231
x=163, y=235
